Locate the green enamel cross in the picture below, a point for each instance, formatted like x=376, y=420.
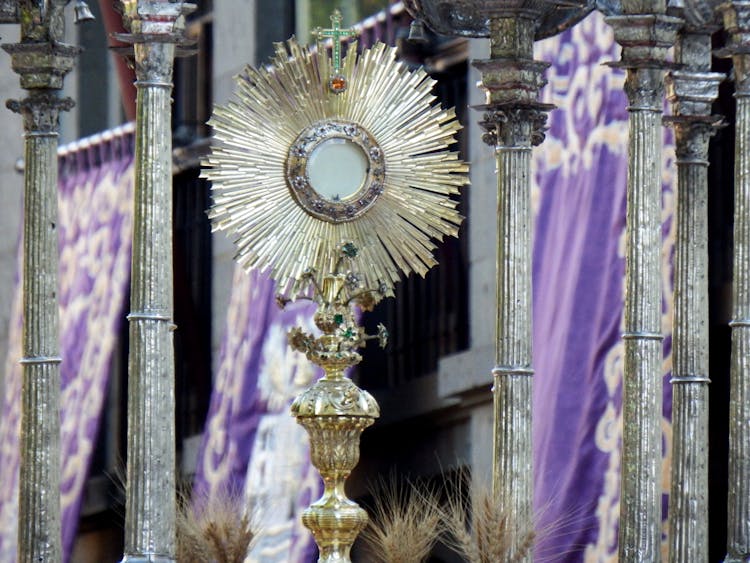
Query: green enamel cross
x=336, y=33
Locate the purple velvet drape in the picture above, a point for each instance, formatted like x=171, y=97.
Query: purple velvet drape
x=579, y=267
x=94, y=225
x=251, y=443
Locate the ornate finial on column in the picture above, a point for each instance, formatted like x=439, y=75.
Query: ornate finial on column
x=646, y=33
x=737, y=24
x=692, y=90
x=156, y=30
x=335, y=411
x=42, y=61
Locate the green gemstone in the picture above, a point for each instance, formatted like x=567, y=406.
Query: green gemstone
x=338, y=319
x=349, y=250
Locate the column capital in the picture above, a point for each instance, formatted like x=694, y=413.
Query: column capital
x=692, y=135
x=512, y=80
x=41, y=111
x=514, y=125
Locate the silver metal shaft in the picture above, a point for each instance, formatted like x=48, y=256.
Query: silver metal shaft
x=738, y=527
x=42, y=61
x=692, y=90
x=640, y=508
x=737, y=23
x=150, y=500
x=39, y=481
x=512, y=375
x=150, y=503
x=645, y=39
x=514, y=121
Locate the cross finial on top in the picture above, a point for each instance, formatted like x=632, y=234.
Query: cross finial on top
x=336, y=33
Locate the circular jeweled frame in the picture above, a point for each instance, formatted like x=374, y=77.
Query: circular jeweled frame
x=298, y=179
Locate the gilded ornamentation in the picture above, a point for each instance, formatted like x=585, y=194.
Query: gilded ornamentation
x=335, y=411
x=301, y=220
x=265, y=141
x=336, y=208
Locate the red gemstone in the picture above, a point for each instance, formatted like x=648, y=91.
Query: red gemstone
x=338, y=84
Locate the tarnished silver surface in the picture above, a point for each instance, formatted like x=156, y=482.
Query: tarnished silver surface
x=691, y=90
x=512, y=453
x=645, y=38
x=514, y=122
x=737, y=23
x=150, y=503
x=473, y=18
x=42, y=62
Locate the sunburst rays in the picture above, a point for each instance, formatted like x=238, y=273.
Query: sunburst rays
x=274, y=105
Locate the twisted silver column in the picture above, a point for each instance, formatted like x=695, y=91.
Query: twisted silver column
x=692, y=90
x=42, y=61
x=514, y=122
x=737, y=23
x=645, y=39
x=150, y=503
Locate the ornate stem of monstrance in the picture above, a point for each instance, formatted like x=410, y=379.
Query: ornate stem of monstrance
x=514, y=121
x=155, y=26
x=691, y=89
x=737, y=23
x=645, y=33
x=42, y=61
x=334, y=412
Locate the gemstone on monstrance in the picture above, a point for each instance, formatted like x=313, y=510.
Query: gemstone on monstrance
x=337, y=84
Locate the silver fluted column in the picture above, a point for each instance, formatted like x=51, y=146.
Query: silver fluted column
x=150, y=503
x=42, y=61
x=691, y=90
x=737, y=23
x=645, y=39
x=514, y=122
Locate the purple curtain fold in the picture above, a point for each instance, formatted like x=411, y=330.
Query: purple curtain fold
x=579, y=268
x=251, y=443
x=94, y=225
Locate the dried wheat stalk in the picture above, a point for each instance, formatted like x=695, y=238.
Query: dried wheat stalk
x=478, y=529
x=219, y=529
x=405, y=522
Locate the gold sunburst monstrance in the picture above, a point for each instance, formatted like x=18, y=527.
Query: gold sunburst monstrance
x=319, y=160
x=309, y=156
